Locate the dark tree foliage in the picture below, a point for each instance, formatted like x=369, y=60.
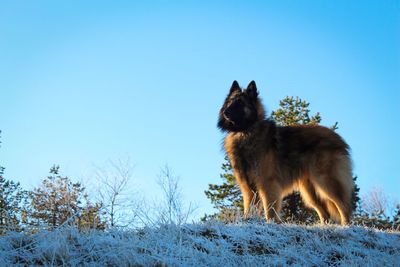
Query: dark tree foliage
x=227, y=197
x=59, y=201
x=12, y=199
x=356, y=196
x=379, y=222
x=376, y=210
x=294, y=111
x=396, y=218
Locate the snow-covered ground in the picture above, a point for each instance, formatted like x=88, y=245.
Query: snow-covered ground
x=208, y=244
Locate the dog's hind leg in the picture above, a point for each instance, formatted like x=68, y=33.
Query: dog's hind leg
x=311, y=199
x=333, y=211
x=334, y=191
x=333, y=181
x=337, y=186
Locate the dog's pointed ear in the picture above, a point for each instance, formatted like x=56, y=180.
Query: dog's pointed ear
x=235, y=87
x=252, y=90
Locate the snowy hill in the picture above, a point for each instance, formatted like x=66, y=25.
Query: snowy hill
x=209, y=244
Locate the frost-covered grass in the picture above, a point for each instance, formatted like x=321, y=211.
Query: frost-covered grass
x=209, y=244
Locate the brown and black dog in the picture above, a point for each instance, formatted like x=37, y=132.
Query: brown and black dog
x=272, y=161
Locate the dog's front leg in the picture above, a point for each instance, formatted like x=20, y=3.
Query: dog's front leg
x=270, y=193
x=247, y=194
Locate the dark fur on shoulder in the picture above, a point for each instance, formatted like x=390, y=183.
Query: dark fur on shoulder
x=271, y=161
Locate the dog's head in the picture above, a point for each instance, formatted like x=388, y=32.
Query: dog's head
x=241, y=109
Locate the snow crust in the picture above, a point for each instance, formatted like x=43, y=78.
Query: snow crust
x=205, y=244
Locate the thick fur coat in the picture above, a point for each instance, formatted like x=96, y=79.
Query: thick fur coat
x=271, y=161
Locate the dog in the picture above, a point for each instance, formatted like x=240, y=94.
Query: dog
x=271, y=161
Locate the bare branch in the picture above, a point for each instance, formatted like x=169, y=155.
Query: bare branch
x=113, y=191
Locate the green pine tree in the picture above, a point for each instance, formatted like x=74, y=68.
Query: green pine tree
x=59, y=201
x=294, y=111
x=12, y=200
x=356, y=196
x=396, y=218
x=226, y=198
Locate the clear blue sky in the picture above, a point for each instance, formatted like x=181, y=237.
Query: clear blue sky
x=82, y=82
